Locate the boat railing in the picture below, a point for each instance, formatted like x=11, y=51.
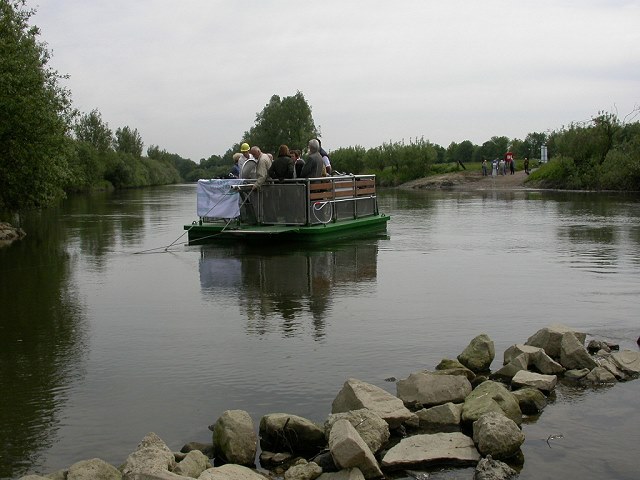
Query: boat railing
x=308, y=201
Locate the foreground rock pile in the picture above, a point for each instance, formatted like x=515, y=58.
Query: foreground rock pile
x=460, y=414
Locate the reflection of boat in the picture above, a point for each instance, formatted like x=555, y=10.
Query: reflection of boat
x=302, y=209
x=282, y=289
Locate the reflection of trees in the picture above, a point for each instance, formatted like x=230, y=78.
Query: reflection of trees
x=106, y=220
x=42, y=341
x=593, y=227
x=285, y=284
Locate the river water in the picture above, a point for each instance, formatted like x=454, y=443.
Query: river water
x=101, y=344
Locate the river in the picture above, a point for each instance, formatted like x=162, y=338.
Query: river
x=101, y=344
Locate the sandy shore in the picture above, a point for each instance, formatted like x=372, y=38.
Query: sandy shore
x=470, y=180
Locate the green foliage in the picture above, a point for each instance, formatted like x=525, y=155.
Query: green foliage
x=561, y=172
x=349, y=159
x=91, y=129
x=36, y=115
x=285, y=121
x=128, y=141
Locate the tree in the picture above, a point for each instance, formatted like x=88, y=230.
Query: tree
x=129, y=141
x=35, y=115
x=91, y=129
x=285, y=121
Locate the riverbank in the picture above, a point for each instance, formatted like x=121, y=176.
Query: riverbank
x=470, y=180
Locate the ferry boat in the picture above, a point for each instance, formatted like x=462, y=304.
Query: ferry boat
x=304, y=209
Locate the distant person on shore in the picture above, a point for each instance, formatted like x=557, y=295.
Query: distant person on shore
x=282, y=166
x=526, y=165
x=512, y=166
x=502, y=167
x=494, y=167
x=484, y=167
x=313, y=165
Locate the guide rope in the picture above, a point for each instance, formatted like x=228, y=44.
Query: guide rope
x=166, y=248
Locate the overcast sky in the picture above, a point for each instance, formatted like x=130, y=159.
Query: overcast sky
x=191, y=75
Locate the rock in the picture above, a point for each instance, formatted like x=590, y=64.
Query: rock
x=9, y=234
x=151, y=457
x=605, y=361
x=520, y=362
x=530, y=400
x=234, y=438
x=455, y=449
x=274, y=459
x=33, y=477
x=595, y=346
x=283, y=432
x=576, y=374
x=58, y=475
x=305, y=471
x=524, y=378
x=491, y=396
x=573, y=354
x=441, y=418
x=518, y=349
x=373, y=429
x=346, y=474
x=496, y=435
x=356, y=394
x=550, y=338
x=206, y=448
x=479, y=354
x=326, y=463
x=230, y=471
x=598, y=376
x=193, y=464
x=490, y=469
x=627, y=361
x=94, y=469
x=427, y=389
x=349, y=450
x=454, y=367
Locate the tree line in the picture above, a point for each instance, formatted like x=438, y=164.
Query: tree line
x=48, y=149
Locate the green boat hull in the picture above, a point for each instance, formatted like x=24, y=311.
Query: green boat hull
x=199, y=233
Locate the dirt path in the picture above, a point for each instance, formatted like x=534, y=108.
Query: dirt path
x=470, y=180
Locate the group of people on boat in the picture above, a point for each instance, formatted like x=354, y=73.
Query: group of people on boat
x=252, y=163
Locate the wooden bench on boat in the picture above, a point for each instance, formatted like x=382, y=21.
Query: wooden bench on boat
x=341, y=188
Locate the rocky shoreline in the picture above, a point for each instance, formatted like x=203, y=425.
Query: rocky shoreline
x=459, y=414
x=9, y=234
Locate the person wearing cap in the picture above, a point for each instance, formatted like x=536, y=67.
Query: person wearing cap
x=246, y=155
x=235, y=170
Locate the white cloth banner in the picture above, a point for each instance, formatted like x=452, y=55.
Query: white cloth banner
x=217, y=200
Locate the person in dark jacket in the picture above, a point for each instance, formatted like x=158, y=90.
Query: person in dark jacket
x=298, y=162
x=282, y=167
x=313, y=166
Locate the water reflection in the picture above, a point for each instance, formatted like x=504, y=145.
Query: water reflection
x=42, y=341
x=278, y=289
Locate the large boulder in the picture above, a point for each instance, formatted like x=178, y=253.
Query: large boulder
x=424, y=389
x=94, y=469
x=290, y=433
x=350, y=451
x=231, y=471
x=234, y=438
x=9, y=234
x=550, y=338
x=356, y=394
x=531, y=400
x=193, y=464
x=597, y=376
x=152, y=457
x=491, y=396
x=303, y=471
x=441, y=418
x=573, y=354
x=373, y=429
x=346, y=474
x=454, y=367
x=455, y=449
x=515, y=364
x=524, y=378
x=522, y=357
x=627, y=361
x=490, y=469
x=496, y=435
x=479, y=354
